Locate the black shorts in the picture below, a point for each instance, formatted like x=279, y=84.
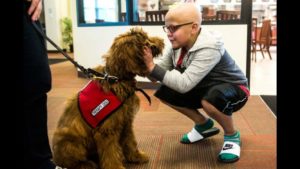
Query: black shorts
x=226, y=97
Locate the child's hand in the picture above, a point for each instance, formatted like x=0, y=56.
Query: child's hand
x=148, y=58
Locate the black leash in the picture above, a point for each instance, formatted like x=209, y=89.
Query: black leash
x=90, y=73
x=145, y=94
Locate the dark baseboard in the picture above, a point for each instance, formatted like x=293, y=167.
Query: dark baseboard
x=52, y=61
x=52, y=51
x=142, y=85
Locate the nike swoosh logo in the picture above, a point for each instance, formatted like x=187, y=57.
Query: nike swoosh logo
x=226, y=148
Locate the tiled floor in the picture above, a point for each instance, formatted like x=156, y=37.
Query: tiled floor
x=263, y=76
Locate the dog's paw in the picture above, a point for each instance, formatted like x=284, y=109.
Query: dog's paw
x=139, y=157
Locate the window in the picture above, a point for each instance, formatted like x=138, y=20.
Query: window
x=105, y=12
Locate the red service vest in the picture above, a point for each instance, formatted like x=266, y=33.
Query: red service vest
x=95, y=105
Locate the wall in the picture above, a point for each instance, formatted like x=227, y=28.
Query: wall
x=90, y=43
x=54, y=10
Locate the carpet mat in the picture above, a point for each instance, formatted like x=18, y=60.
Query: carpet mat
x=271, y=101
x=54, y=61
x=158, y=129
x=166, y=151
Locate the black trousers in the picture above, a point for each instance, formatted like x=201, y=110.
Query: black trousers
x=36, y=84
x=37, y=149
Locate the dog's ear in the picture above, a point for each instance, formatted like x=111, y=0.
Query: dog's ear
x=132, y=55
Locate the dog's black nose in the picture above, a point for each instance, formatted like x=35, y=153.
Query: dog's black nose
x=154, y=49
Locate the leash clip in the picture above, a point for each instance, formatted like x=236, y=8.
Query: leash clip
x=112, y=79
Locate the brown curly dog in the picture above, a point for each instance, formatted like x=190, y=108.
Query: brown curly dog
x=78, y=145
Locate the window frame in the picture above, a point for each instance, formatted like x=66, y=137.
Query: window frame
x=80, y=17
x=131, y=6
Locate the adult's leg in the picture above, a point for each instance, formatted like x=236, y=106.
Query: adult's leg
x=37, y=150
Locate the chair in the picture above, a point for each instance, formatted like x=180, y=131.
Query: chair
x=123, y=17
x=156, y=16
x=209, y=18
x=227, y=15
x=253, y=38
x=265, y=38
x=205, y=10
x=207, y=14
x=274, y=36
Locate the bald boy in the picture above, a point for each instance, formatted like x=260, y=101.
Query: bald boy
x=198, y=73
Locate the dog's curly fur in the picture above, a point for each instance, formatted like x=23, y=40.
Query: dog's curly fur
x=76, y=145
